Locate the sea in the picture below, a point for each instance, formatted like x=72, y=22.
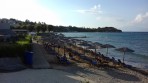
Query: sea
x=137, y=41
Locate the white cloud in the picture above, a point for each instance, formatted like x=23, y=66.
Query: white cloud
x=27, y=9
x=140, y=18
x=94, y=10
x=139, y=23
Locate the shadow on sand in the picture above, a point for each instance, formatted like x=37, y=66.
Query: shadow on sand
x=120, y=75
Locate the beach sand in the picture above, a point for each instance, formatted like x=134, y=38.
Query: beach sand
x=100, y=75
x=76, y=72
x=73, y=74
x=39, y=76
x=103, y=75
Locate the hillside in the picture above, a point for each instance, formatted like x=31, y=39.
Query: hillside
x=42, y=27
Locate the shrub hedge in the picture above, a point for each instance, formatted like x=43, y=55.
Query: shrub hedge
x=16, y=49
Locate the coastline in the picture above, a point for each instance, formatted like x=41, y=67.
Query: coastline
x=130, y=67
x=138, y=58
x=78, y=71
x=99, y=74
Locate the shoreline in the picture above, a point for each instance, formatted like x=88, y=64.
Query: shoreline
x=130, y=57
x=78, y=71
x=131, y=67
x=78, y=37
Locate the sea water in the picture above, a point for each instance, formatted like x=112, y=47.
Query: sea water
x=137, y=41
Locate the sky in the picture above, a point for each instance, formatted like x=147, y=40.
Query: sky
x=127, y=15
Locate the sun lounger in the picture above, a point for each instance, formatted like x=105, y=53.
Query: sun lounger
x=63, y=60
x=85, y=58
x=128, y=66
x=94, y=62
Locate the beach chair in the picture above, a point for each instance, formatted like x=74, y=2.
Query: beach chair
x=128, y=66
x=94, y=62
x=86, y=59
x=64, y=60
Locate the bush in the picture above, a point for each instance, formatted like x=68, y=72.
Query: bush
x=16, y=49
x=37, y=37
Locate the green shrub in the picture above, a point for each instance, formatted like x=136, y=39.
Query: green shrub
x=16, y=49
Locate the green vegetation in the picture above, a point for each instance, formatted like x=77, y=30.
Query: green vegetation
x=43, y=27
x=37, y=37
x=23, y=42
x=16, y=49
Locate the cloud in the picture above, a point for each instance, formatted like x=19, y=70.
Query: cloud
x=94, y=10
x=139, y=23
x=140, y=18
x=27, y=9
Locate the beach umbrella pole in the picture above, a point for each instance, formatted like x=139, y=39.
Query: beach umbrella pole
x=84, y=51
x=64, y=50
x=123, y=57
x=95, y=50
x=107, y=52
x=54, y=47
x=58, y=49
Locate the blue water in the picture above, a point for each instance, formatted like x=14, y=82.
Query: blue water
x=137, y=41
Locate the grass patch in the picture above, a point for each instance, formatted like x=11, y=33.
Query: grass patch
x=22, y=42
x=37, y=37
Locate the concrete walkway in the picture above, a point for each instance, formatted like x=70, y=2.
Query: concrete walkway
x=39, y=60
x=39, y=76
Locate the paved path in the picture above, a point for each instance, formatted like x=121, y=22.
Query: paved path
x=39, y=60
x=39, y=76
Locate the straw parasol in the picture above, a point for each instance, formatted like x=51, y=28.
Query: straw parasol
x=97, y=44
x=85, y=45
x=107, y=46
x=124, y=49
x=93, y=47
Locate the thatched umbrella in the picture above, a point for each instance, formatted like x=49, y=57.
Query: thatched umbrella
x=107, y=46
x=93, y=47
x=98, y=44
x=124, y=49
x=85, y=45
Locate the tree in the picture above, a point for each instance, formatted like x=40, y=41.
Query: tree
x=23, y=27
x=30, y=28
x=50, y=27
x=38, y=28
x=12, y=27
x=44, y=28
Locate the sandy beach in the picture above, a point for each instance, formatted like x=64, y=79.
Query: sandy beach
x=73, y=74
x=39, y=76
x=76, y=72
x=103, y=75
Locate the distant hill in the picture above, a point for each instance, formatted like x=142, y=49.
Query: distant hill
x=42, y=27
x=109, y=29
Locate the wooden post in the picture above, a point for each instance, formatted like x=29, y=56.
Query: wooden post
x=64, y=50
x=123, y=57
x=95, y=49
x=107, y=52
